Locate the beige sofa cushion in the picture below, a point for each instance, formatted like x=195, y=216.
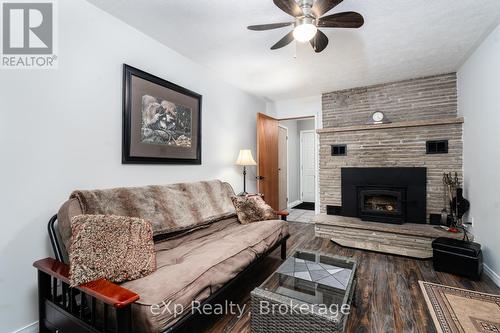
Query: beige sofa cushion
x=69, y=209
x=196, y=265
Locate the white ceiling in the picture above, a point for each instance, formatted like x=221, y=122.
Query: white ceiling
x=401, y=39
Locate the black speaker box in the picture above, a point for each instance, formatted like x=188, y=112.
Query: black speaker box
x=457, y=257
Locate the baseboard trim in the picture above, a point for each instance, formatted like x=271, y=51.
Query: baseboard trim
x=492, y=275
x=31, y=328
x=295, y=203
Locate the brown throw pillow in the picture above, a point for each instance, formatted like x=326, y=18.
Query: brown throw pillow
x=116, y=248
x=252, y=209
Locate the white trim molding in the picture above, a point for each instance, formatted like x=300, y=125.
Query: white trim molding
x=301, y=134
x=287, y=168
x=492, y=275
x=318, y=122
x=31, y=328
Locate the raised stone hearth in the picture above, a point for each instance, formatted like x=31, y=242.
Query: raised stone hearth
x=411, y=240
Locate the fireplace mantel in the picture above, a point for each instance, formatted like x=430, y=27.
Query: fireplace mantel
x=400, y=124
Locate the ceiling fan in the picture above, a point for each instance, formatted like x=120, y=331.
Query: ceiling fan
x=308, y=18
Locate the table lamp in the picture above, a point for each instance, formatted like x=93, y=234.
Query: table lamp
x=245, y=158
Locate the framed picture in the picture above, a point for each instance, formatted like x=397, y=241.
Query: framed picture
x=161, y=121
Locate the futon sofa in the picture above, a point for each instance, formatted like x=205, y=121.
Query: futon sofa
x=201, y=249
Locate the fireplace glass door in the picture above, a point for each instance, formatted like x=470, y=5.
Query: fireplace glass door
x=381, y=204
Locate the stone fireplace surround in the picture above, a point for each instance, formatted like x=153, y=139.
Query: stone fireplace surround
x=420, y=110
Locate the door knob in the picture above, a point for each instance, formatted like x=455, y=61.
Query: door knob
x=259, y=177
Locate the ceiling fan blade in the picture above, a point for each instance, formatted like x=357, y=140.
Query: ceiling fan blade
x=319, y=42
x=289, y=7
x=283, y=41
x=342, y=20
x=261, y=27
x=321, y=7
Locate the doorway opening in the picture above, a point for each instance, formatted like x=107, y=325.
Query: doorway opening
x=297, y=167
x=287, y=157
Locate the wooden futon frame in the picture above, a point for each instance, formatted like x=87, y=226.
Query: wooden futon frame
x=99, y=306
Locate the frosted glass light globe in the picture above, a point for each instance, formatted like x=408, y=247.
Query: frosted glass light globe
x=304, y=32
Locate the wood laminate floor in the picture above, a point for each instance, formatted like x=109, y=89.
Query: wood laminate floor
x=387, y=296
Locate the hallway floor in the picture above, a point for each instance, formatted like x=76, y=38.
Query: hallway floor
x=300, y=215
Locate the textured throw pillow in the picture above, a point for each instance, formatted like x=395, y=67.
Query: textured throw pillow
x=252, y=209
x=116, y=248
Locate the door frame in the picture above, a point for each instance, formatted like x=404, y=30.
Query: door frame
x=287, y=166
x=300, y=159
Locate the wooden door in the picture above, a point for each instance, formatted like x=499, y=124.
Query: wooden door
x=267, y=159
x=283, y=167
x=307, y=166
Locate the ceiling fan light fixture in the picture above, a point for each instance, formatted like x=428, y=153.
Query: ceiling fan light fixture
x=304, y=32
x=305, y=29
x=309, y=15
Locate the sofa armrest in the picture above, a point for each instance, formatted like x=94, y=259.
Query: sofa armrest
x=102, y=289
x=282, y=214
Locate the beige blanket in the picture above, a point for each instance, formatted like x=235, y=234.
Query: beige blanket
x=170, y=208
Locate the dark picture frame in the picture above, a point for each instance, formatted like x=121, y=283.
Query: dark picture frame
x=176, y=139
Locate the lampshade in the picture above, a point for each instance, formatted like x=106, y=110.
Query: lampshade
x=245, y=158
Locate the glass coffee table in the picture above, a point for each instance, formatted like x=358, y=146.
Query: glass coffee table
x=310, y=292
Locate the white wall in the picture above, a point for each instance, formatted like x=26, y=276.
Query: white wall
x=294, y=108
x=479, y=103
x=305, y=125
x=61, y=130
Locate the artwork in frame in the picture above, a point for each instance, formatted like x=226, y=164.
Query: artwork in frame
x=161, y=121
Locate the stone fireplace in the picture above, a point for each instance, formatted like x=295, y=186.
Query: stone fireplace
x=420, y=111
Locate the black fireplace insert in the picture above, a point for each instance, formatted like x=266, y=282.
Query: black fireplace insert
x=391, y=195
